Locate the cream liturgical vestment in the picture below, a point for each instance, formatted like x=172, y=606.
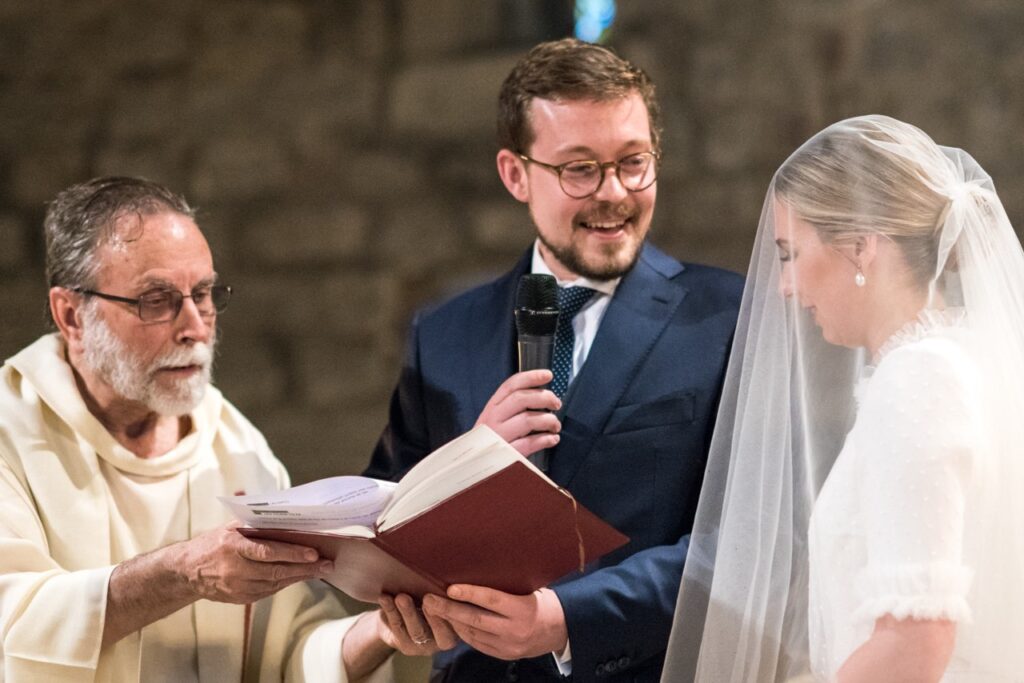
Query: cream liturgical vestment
x=74, y=503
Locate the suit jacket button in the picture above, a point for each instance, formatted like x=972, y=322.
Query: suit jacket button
x=612, y=666
x=623, y=662
x=512, y=672
x=599, y=671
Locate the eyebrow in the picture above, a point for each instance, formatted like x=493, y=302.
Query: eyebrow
x=590, y=154
x=160, y=283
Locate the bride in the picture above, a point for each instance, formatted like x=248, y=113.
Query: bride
x=861, y=516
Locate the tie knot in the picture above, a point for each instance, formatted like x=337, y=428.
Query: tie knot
x=572, y=299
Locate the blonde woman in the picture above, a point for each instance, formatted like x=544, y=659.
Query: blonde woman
x=860, y=518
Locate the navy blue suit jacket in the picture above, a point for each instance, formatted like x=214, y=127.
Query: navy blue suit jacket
x=635, y=431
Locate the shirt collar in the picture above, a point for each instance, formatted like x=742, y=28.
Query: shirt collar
x=539, y=267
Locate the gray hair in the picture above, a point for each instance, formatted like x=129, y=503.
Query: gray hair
x=84, y=217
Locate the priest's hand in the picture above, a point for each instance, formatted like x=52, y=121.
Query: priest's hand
x=225, y=566
x=410, y=631
x=500, y=624
x=220, y=565
x=522, y=413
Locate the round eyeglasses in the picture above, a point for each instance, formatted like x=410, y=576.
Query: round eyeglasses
x=581, y=178
x=164, y=305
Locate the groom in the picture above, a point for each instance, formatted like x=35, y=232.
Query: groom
x=638, y=372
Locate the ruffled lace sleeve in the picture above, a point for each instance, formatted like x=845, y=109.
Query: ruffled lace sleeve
x=919, y=438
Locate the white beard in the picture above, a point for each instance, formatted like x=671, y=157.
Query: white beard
x=109, y=357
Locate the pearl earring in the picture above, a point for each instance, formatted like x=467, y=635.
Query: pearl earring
x=859, y=278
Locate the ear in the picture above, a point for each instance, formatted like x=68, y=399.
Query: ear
x=512, y=170
x=65, y=307
x=866, y=249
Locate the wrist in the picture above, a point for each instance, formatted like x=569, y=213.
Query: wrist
x=553, y=617
x=362, y=648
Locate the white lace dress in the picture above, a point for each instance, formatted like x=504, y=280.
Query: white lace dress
x=886, y=532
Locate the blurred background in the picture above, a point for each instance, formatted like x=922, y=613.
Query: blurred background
x=341, y=152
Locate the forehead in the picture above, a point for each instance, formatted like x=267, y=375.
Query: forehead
x=161, y=247
x=589, y=125
x=789, y=226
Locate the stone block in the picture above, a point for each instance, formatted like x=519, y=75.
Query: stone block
x=240, y=43
x=314, y=444
x=384, y=174
x=431, y=27
x=240, y=166
x=163, y=160
x=303, y=235
x=154, y=108
x=334, y=372
x=502, y=225
x=420, y=237
x=251, y=371
x=25, y=312
x=38, y=175
x=448, y=100
x=14, y=237
x=354, y=305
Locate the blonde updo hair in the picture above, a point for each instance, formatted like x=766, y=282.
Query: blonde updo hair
x=870, y=175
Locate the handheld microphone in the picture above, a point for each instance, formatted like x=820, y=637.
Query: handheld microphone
x=536, y=315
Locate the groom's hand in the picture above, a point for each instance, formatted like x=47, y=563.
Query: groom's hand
x=500, y=624
x=522, y=413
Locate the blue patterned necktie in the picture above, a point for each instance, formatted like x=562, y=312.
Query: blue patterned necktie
x=570, y=301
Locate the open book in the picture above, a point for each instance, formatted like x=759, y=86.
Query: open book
x=473, y=511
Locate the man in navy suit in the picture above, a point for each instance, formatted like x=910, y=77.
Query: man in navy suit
x=578, y=129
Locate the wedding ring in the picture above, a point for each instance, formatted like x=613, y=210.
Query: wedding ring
x=422, y=641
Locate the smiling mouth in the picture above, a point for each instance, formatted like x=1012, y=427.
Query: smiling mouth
x=604, y=226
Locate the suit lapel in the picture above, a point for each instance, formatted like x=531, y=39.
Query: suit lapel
x=637, y=315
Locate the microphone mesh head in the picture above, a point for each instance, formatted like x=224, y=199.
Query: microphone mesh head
x=537, y=305
x=537, y=292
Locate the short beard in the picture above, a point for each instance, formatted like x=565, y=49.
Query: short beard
x=608, y=265
x=109, y=357
x=608, y=269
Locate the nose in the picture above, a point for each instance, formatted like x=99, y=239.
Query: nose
x=787, y=284
x=611, y=189
x=190, y=326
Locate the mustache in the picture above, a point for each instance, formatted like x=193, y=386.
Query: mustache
x=200, y=354
x=606, y=213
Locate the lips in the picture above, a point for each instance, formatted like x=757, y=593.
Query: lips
x=182, y=369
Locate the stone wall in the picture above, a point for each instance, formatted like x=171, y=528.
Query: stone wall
x=342, y=151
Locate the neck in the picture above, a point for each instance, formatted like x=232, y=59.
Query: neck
x=135, y=426
x=893, y=316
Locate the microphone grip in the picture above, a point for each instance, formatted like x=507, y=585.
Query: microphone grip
x=535, y=351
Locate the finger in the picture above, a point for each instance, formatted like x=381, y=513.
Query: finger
x=415, y=625
x=464, y=618
x=275, y=576
x=530, y=379
x=491, y=600
x=393, y=620
x=259, y=550
x=524, y=400
x=528, y=445
x=444, y=634
x=530, y=421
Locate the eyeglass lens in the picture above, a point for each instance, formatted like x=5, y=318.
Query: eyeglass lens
x=166, y=305
x=583, y=178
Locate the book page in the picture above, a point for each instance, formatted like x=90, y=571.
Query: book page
x=327, y=504
x=457, y=465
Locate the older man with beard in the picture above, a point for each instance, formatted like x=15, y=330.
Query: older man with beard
x=638, y=363
x=117, y=561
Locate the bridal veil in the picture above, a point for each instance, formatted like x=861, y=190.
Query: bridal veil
x=790, y=400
